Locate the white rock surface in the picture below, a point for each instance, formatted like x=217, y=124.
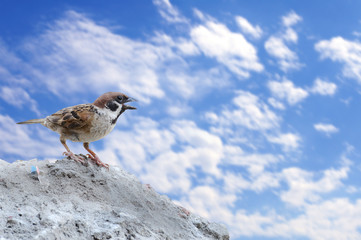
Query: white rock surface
x=70, y=201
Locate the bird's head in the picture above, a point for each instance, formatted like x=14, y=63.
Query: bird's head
x=114, y=101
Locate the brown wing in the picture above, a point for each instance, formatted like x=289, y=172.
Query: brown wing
x=73, y=117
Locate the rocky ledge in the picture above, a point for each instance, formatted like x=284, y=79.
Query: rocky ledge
x=66, y=200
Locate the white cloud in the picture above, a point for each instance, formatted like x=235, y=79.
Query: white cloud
x=201, y=147
x=291, y=19
x=255, y=163
x=344, y=51
x=287, y=59
x=30, y=141
x=276, y=104
x=143, y=69
x=145, y=139
x=286, y=90
x=187, y=47
x=215, y=40
x=188, y=86
x=277, y=48
x=356, y=34
x=289, y=141
x=178, y=110
x=254, y=224
x=200, y=15
x=305, y=194
x=18, y=97
x=313, y=220
x=147, y=150
x=323, y=87
x=10, y=66
x=76, y=51
x=248, y=28
x=326, y=128
x=229, y=48
x=249, y=112
x=209, y=203
x=184, y=46
x=168, y=12
x=335, y=219
x=303, y=189
x=257, y=177
x=290, y=35
x=236, y=183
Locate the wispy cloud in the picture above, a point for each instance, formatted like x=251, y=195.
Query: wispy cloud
x=169, y=12
x=24, y=141
x=344, y=51
x=288, y=141
x=143, y=69
x=291, y=19
x=217, y=204
x=19, y=98
x=121, y=63
x=12, y=69
x=323, y=87
x=148, y=151
x=248, y=111
x=215, y=40
x=326, y=128
x=287, y=91
x=254, y=163
x=287, y=59
x=276, y=45
x=304, y=189
x=248, y=28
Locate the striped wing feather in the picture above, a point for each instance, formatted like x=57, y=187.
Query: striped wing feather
x=73, y=117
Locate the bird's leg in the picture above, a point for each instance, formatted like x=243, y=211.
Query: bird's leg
x=69, y=154
x=94, y=157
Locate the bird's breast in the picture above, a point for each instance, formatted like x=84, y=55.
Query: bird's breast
x=100, y=127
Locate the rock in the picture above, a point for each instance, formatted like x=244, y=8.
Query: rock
x=67, y=200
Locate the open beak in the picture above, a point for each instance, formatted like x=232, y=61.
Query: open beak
x=129, y=107
x=129, y=99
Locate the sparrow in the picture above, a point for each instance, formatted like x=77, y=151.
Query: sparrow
x=87, y=122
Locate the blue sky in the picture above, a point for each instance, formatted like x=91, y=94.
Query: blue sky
x=248, y=111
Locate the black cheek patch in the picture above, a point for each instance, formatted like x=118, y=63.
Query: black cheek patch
x=112, y=106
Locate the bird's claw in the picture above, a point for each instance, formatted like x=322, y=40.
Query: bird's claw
x=97, y=161
x=81, y=159
x=74, y=157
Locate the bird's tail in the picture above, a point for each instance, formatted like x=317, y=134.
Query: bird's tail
x=40, y=120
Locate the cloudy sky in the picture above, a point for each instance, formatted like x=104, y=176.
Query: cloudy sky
x=249, y=112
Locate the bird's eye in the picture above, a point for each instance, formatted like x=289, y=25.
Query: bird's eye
x=120, y=98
